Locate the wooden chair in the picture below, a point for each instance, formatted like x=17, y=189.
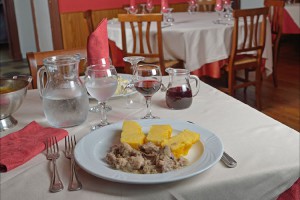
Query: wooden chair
x=89, y=20
x=141, y=39
x=35, y=61
x=276, y=18
x=206, y=5
x=246, y=51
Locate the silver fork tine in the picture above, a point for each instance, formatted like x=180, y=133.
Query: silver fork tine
x=52, y=154
x=74, y=183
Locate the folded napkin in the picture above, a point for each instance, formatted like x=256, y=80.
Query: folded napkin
x=97, y=44
x=19, y=147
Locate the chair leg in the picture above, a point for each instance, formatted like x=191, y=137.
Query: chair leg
x=274, y=74
x=246, y=79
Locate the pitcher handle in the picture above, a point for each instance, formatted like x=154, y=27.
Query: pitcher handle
x=40, y=79
x=197, y=83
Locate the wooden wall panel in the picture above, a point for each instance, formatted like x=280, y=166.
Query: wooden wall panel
x=75, y=29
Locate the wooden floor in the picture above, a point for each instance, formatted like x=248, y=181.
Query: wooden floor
x=281, y=103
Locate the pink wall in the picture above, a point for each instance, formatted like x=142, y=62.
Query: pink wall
x=82, y=5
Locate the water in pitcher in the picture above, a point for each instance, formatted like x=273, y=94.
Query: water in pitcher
x=65, y=108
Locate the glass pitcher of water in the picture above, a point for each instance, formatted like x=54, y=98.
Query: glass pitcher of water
x=179, y=93
x=65, y=99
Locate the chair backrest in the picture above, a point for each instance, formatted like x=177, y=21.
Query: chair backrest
x=254, y=37
x=206, y=5
x=89, y=20
x=141, y=34
x=276, y=18
x=35, y=61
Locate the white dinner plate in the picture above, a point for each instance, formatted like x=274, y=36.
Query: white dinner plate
x=91, y=150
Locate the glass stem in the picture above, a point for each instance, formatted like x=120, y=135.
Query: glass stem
x=148, y=103
x=103, y=118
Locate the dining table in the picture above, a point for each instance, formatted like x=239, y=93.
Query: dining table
x=197, y=39
x=291, y=19
x=266, y=151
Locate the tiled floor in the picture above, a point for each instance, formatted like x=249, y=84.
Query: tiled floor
x=8, y=68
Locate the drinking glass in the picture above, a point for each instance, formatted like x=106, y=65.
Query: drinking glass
x=219, y=9
x=101, y=83
x=149, y=6
x=105, y=63
x=127, y=9
x=133, y=101
x=168, y=17
x=147, y=81
x=133, y=10
x=143, y=6
x=193, y=6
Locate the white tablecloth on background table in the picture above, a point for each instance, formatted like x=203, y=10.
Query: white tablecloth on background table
x=294, y=11
x=195, y=39
x=267, y=153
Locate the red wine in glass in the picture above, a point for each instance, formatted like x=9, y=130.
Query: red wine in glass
x=179, y=97
x=147, y=87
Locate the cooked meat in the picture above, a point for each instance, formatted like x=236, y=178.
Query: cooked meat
x=149, y=159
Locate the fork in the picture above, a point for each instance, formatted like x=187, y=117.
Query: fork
x=53, y=154
x=74, y=183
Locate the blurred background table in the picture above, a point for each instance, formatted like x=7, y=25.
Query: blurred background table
x=291, y=19
x=195, y=39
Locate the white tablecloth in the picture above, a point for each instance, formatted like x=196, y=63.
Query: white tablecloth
x=195, y=39
x=267, y=153
x=294, y=11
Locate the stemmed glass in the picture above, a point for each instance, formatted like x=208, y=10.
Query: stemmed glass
x=193, y=6
x=104, y=62
x=143, y=6
x=228, y=9
x=168, y=17
x=133, y=9
x=147, y=81
x=219, y=9
x=131, y=100
x=101, y=83
x=149, y=6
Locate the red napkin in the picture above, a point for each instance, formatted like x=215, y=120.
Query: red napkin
x=97, y=44
x=19, y=147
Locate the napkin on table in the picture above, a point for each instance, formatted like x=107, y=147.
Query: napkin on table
x=19, y=147
x=97, y=44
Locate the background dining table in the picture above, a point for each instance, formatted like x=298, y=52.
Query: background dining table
x=291, y=19
x=196, y=39
x=266, y=150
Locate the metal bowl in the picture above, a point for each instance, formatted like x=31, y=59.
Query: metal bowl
x=12, y=92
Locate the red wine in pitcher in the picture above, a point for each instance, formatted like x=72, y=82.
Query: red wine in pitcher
x=179, y=98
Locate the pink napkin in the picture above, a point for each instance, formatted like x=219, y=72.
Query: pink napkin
x=97, y=44
x=19, y=147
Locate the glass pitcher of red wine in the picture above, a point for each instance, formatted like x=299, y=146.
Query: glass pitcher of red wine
x=179, y=93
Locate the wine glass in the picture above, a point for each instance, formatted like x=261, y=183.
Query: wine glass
x=133, y=101
x=219, y=9
x=149, y=6
x=147, y=81
x=193, y=6
x=143, y=6
x=104, y=62
x=133, y=9
x=168, y=17
x=101, y=83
